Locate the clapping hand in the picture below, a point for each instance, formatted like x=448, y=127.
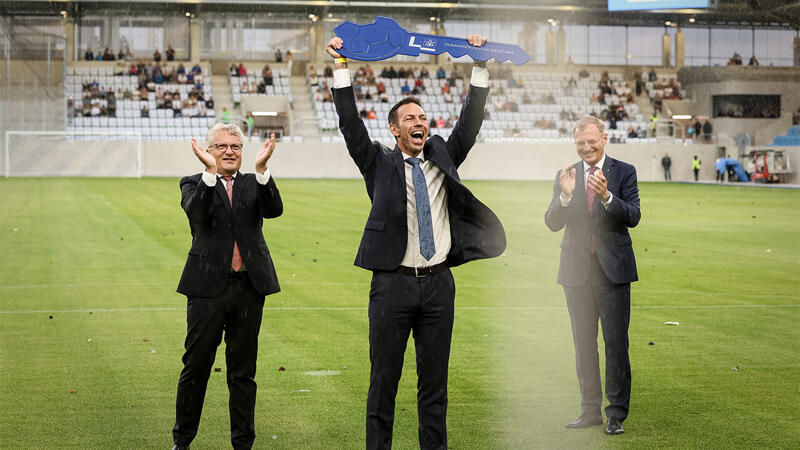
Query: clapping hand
x=205, y=157
x=264, y=154
x=567, y=181
x=598, y=183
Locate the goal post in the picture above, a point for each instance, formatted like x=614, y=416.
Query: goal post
x=73, y=153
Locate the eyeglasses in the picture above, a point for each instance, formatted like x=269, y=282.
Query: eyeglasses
x=591, y=142
x=236, y=148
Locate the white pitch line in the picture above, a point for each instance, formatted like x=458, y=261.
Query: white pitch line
x=364, y=308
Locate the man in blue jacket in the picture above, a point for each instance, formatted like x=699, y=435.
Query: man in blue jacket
x=595, y=201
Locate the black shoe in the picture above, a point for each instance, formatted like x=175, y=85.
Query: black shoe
x=586, y=421
x=180, y=447
x=614, y=426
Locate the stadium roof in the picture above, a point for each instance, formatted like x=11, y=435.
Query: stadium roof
x=594, y=12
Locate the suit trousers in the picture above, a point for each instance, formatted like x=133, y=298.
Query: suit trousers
x=236, y=314
x=398, y=305
x=602, y=299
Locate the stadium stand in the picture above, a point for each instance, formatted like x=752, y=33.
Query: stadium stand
x=165, y=111
x=792, y=137
x=522, y=107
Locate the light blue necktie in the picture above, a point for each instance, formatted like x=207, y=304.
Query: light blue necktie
x=426, y=246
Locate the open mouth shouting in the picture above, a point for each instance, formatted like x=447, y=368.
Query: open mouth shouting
x=418, y=137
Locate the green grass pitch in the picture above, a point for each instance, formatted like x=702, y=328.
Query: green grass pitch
x=103, y=258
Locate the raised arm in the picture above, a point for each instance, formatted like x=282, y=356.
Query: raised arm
x=269, y=199
x=470, y=119
x=356, y=137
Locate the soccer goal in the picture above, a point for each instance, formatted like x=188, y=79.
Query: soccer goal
x=73, y=154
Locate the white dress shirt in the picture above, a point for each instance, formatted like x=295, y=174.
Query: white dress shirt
x=210, y=179
x=586, y=167
x=440, y=218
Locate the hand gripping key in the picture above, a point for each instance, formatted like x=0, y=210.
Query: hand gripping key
x=385, y=38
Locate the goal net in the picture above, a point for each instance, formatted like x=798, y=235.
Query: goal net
x=73, y=153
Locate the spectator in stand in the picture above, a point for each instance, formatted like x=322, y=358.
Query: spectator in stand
x=652, y=75
x=157, y=56
x=707, y=130
x=371, y=114
x=632, y=133
x=241, y=70
x=653, y=124
x=226, y=115
x=128, y=55
x=210, y=103
x=363, y=113
x=440, y=123
x=440, y=73
x=583, y=73
x=796, y=117
x=170, y=53
x=120, y=55
x=657, y=103
x=267, y=76
x=88, y=56
x=278, y=55
x=327, y=72
x=639, y=84
x=697, y=128
x=419, y=85
x=753, y=61
x=432, y=123
x=233, y=70
x=405, y=89
x=289, y=62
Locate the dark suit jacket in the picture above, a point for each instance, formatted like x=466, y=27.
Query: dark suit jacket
x=608, y=228
x=475, y=230
x=215, y=225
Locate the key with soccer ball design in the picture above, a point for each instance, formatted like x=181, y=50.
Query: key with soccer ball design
x=385, y=38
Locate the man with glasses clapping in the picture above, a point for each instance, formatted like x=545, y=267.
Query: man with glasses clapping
x=595, y=201
x=227, y=275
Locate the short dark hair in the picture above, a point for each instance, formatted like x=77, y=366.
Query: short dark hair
x=404, y=101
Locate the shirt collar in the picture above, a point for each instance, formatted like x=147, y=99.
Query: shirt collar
x=599, y=165
x=234, y=175
x=421, y=156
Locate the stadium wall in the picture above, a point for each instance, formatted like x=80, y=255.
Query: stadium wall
x=487, y=161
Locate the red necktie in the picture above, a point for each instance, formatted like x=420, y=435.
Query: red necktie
x=236, y=262
x=590, y=195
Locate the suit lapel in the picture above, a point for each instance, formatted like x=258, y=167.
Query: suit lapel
x=223, y=194
x=609, y=171
x=397, y=159
x=238, y=188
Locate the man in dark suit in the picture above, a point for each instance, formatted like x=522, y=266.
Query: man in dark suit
x=422, y=222
x=226, y=277
x=596, y=200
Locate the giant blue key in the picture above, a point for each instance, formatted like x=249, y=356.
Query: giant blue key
x=385, y=38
